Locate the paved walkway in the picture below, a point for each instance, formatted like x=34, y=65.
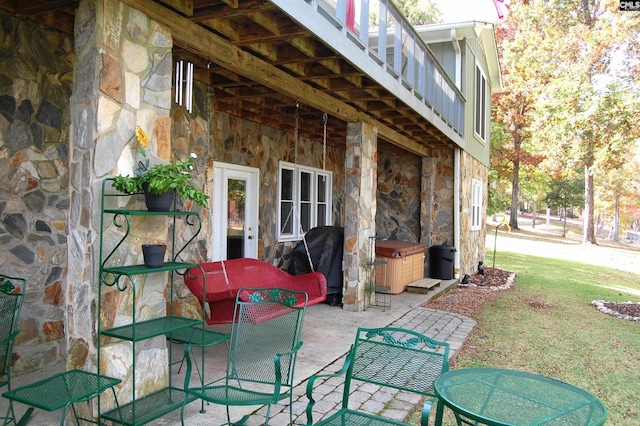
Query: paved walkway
x=327, y=335
x=440, y=325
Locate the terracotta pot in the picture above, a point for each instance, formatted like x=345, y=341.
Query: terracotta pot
x=158, y=202
x=153, y=255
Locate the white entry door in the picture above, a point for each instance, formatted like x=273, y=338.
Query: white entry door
x=235, y=211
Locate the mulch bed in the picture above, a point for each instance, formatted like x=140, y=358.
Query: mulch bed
x=492, y=277
x=470, y=299
x=629, y=311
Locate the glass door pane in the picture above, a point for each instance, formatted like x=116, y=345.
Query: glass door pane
x=236, y=195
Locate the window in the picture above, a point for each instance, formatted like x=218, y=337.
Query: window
x=481, y=105
x=304, y=200
x=476, y=205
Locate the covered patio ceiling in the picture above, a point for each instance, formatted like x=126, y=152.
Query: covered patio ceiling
x=262, y=64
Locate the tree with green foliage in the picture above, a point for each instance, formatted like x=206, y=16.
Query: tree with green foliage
x=620, y=194
x=565, y=193
x=566, y=94
x=592, y=128
x=498, y=182
x=419, y=12
x=415, y=11
x=523, y=48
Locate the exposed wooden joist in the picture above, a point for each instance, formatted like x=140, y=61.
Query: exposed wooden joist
x=182, y=6
x=223, y=26
x=271, y=38
x=222, y=11
x=266, y=20
x=232, y=3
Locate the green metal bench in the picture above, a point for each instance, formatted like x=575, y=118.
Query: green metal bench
x=389, y=358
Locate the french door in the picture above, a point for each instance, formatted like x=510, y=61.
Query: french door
x=235, y=211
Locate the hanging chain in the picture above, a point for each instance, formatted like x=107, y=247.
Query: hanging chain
x=295, y=134
x=324, y=142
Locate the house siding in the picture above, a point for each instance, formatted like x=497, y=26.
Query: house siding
x=473, y=56
x=446, y=55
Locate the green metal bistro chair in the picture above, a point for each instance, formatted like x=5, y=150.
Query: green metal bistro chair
x=265, y=339
x=12, y=291
x=389, y=358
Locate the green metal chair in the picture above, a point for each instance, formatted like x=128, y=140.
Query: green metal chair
x=12, y=291
x=265, y=339
x=389, y=358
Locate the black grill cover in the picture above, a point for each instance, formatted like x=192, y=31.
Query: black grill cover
x=325, y=244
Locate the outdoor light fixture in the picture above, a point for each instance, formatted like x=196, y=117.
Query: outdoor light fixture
x=184, y=84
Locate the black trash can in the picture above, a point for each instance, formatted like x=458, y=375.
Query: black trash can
x=441, y=261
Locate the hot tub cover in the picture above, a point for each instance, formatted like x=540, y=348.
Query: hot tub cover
x=397, y=248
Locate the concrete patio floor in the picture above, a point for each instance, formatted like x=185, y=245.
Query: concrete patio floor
x=327, y=335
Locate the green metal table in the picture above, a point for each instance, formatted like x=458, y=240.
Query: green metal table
x=62, y=391
x=499, y=397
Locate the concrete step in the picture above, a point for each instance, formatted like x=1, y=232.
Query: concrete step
x=432, y=287
x=423, y=286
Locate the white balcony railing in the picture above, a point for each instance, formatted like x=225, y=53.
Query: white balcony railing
x=390, y=51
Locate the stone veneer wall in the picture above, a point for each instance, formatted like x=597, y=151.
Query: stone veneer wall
x=36, y=67
x=472, y=243
x=191, y=134
x=441, y=215
x=245, y=143
x=398, y=211
x=437, y=205
x=402, y=213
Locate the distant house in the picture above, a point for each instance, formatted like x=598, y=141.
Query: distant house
x=298, y=120
x=632, y=237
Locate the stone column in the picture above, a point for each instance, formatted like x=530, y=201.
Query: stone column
x=361, y=171
x=122, y=79
x=427, y=190
x=82, y=289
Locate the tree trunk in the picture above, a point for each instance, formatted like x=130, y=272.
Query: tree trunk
x=534, y=215
x=513, y=220
x=588, y=234
x=616, y=217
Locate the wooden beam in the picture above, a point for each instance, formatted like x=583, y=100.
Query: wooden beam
x=216, y=49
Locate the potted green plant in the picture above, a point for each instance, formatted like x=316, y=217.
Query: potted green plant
x=161, y=179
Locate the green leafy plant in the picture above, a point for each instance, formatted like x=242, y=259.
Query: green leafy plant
x=160, y=178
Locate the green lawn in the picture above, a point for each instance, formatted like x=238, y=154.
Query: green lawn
x=547, y=325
